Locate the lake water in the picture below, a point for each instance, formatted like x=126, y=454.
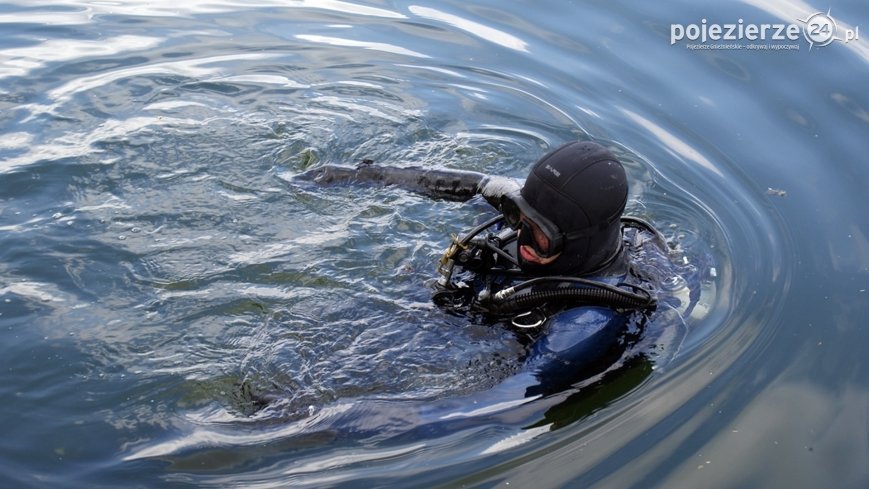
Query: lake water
x=155, y=264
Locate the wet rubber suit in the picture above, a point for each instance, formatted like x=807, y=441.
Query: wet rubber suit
x=574, y=327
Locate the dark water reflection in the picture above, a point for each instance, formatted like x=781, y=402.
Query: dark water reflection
x=152, y=256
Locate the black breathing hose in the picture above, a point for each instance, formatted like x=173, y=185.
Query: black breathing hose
x=597, y=296
x=591, y=291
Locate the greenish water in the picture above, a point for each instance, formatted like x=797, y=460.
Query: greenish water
x=152, y=255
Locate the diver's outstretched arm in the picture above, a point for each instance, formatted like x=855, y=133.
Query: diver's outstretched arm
x=442, y=184
x=457, y=185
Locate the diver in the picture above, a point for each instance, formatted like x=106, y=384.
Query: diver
x=556, y=265
x=557, y=260
x=596, y=299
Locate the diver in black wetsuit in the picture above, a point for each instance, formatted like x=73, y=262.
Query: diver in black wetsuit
x=555, y=262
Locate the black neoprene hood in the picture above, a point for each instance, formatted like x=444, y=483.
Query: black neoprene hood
x=582, y=188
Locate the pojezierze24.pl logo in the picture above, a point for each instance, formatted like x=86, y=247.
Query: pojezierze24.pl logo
x=818, y=29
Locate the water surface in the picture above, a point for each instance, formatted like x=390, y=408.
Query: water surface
x=153, y=257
